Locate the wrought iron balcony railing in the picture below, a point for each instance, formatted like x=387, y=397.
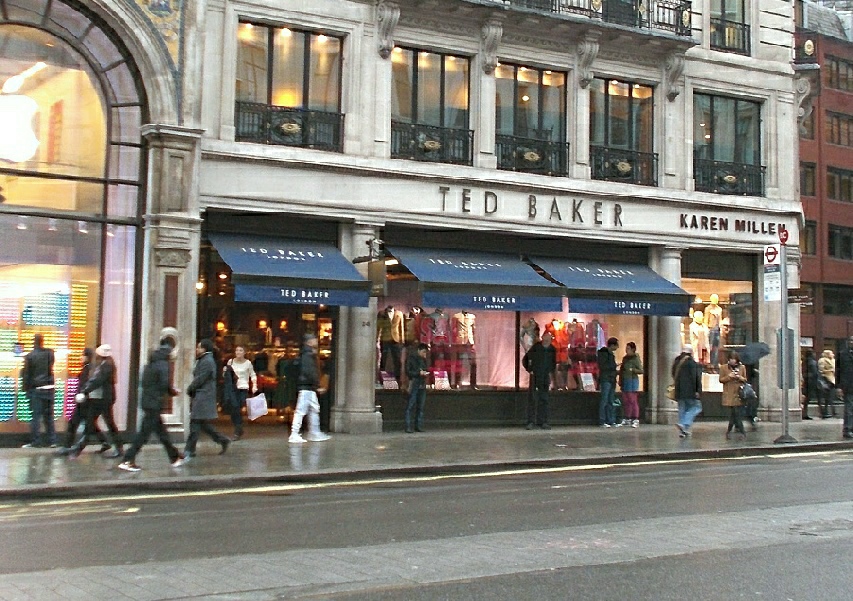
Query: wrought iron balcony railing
x=729, y=36
x=529, y=155
x=721, y=177
x=627, y=166
x=266, y=124
x=431, y=143
x=666, y=15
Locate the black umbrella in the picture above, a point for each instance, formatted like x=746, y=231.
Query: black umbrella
x=752, y=352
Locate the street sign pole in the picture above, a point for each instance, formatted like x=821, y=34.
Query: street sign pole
x=786, y=438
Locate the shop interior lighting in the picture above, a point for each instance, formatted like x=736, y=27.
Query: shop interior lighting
x=111, y=230
x=14, y=83
x=199, y=285
x=223, y=276
x=220, y=326
x=283, y=325
x=221, y=293
x=389, y=262
x=262, y=324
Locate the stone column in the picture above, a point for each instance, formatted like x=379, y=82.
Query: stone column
x=354, y=410
x=667, y=263
x=483, y=93
x=170, y=267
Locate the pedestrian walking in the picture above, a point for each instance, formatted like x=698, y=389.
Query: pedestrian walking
x=810, y=383
x=202, y=393
x=750, y=407
x=732, y=376
x=687, y=378
x=540, y=361
x=39, y=385
x=607, y=371
x=80, y=413
x=156, y=388
x=309, y=384
x=844, y=383
x=826, y=367
x=629, y=378
x=417, y=371
x=240, y=379
x=100, y=393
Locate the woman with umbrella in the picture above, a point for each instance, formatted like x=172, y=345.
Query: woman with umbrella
x=750, y=356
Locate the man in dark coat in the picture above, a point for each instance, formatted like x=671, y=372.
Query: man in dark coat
x=417, y=372
x=607, y=371
x=156, y=387
x=687, y=377
x=202, y=392
x=540, y=362
x=307, y=403
x=39, y=387
x=844, y=386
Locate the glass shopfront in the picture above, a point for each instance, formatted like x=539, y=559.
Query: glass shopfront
x=70, y=163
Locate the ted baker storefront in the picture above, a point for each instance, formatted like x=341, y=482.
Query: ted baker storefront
x=478, y=271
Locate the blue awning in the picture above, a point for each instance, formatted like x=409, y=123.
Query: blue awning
x=615, y=288
x=268, y=269
x=478, y=280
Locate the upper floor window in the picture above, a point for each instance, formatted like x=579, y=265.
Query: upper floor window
x=838, y=74
x=807, y=179
x=530, y=120
x=839, y=184
x=837, y=300
x=808, y=238
x=429, y=106
x=840, y=242
x=839, y=129
x=729, y=31
x=727, y=145
x=621, y=137
x=288, y=87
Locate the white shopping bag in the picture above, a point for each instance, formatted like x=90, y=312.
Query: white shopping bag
x=256, y=406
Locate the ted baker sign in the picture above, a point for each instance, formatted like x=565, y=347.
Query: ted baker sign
x=594, y=213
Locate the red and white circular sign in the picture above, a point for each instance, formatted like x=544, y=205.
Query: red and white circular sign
x=783, y=236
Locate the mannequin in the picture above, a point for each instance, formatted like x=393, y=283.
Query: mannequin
x=413, y=325
x=577, y=334
x=463, y=339
x=560, y=335
x=699, y=337
x=436, y=327
x=713, y=322
x=390, y=332
x=528, y=334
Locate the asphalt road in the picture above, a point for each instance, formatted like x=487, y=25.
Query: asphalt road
x=762, y=528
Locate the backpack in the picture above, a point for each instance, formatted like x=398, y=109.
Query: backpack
x=746, y=393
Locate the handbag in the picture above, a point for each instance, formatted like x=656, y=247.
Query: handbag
x=746, y=393
x=256, y=406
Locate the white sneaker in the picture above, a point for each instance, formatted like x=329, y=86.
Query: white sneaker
x=318, y=437
x=178, y=462
x=296, y=439
x=606, y=426
x=619, y=425
x=128, y=466
x=635, y=423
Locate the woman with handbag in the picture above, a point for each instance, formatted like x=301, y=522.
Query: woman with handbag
x=732, y=377
x=240, y=380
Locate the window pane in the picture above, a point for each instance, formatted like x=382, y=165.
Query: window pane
x=456, y=92
x=323, y=90
x=723, y=131
x=56, y=194
x=619, y=119
x=747, y=142
x=553, y=103
x=643, y=133
x=597, y=115
x=124, y=162
x=702, y=147
x=252, y=61
x=401, y=85
x=429, y=89
x=122, y=200
x=288, y=68
x=504, y=95
x=528, y=103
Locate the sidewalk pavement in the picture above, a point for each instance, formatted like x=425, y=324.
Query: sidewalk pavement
x=264, y=456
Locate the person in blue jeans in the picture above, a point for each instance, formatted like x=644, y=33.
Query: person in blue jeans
x=687, y=377
x=416, y=371
x=607, y=371
x=39, y=385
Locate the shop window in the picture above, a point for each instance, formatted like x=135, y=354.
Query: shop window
x=530, y=120
x=840, y=242
x=727, y=145
x=288, y=87
x=808, y=238
x=430, y=107
x=807, y=179
x=838, y=300
x=839, y=129
x=622, y=132
x=729, y=30
x=721, y=317
x=838, y=74
x=62, y=127
x=839, y=184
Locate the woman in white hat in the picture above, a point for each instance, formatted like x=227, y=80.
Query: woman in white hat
x=100, y=389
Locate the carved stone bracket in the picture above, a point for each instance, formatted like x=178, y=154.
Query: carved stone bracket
x=490, y=39
x=673, y=72
x=587, y=51
x=172, y=257
x=806, y=89
x=387, y=16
